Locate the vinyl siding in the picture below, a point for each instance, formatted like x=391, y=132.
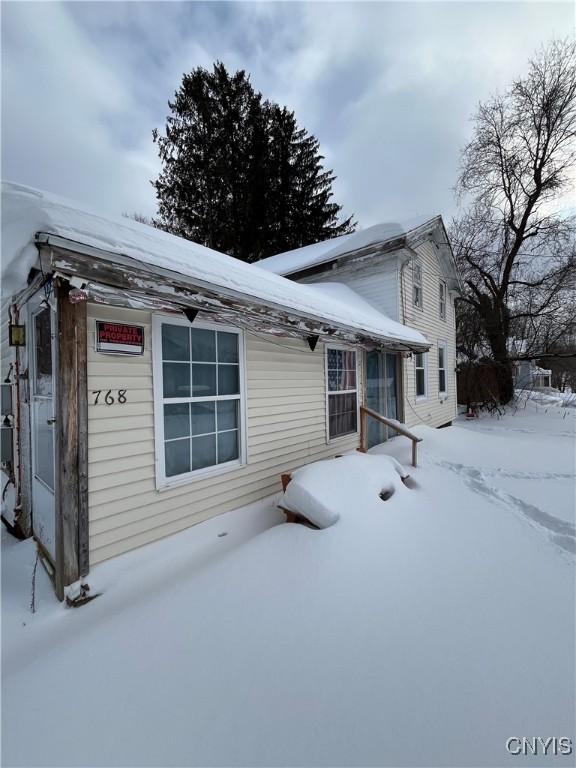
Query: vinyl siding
x=375, y=280
x=286, y=428
x=431, y=411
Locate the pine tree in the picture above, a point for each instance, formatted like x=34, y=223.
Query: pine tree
x=239, y=175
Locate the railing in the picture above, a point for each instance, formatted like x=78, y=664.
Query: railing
x=392, y=423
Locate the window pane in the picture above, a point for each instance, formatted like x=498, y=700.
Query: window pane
x=176, y=379
x=203, y=380
x=227, y=446
x=176, y=420
x=175, y=342
x=228, y=380
x=334, y=358
x=440, y=357
x=203, y=345
x=349, y=360
x=349, y=380
x=203, y=451
x=419, y=359
x=442, y=380
x=420, y=390
x=227, y=414
x=43, y=345
x=44, y=442
x=177, y=454
x=227, y=347
x=342, y=414
x=203, y=418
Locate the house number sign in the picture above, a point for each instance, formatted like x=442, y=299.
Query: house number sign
x=119, y=338
x=109, y=397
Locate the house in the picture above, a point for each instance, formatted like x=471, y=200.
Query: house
x=406, y=271
x=528, y=375
x=151, y=383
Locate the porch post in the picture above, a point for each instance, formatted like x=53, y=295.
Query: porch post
x=71, y=441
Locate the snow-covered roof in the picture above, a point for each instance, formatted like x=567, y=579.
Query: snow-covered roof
x=289, y=262
x=27, y=212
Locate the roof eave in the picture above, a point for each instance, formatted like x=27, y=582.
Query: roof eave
x=139, y=279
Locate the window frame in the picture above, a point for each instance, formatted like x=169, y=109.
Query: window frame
x=443, y=300
x=443, y=393
x=417, y=266
x=423, y=367
x=162, y=481
x=346, y=348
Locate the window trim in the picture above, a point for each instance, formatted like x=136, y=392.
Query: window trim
x=442, y=285
x=347, y=348
x=421, y=398
x=417, y=265
x=163, y=482
x=443, y=393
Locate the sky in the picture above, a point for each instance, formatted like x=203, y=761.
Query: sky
x=388, y=88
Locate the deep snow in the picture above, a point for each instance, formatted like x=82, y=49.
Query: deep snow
x=420, y=631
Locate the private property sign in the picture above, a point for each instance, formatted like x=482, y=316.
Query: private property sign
x=119, y=338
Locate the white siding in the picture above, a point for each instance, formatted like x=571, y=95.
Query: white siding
x=432, y=411
x=286, y=419
x=374, y=278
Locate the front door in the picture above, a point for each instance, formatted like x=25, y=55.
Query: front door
x=381, y=393
x=41, y=372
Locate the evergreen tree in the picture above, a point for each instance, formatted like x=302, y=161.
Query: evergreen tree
x=239, y=175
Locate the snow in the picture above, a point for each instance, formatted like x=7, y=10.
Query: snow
x=318, y=253
x=26, y=211
x=318, y=490
x=426, y=629
x=339, y=292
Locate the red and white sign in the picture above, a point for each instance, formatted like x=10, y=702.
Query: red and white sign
x=119, y=339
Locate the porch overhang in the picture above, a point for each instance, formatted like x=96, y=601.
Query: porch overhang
x=119, y=280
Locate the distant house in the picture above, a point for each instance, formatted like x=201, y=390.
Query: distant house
x=152, y=383
x=528, y=375
x=407, y=271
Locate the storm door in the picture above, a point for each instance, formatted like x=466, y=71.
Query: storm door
x=381, y=393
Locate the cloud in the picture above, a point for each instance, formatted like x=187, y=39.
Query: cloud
x=387, y=88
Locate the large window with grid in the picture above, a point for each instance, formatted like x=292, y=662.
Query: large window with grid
x=342, y=392
x=198, y=375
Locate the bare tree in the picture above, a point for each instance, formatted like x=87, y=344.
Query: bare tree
x=515, y=251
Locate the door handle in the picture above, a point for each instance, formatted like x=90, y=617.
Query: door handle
x=50, y=421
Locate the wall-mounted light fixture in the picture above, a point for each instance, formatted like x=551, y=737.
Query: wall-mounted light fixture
x=16, y=335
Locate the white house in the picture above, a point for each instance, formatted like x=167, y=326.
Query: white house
x=406, y=271
x=151, y=383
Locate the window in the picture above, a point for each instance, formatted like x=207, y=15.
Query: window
x=420, y=366
x=442, y=354
x=342, y=392
x=417, y=284
x=442, y=300
x=198, y=385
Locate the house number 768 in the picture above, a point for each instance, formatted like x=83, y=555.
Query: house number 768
x=109, y=398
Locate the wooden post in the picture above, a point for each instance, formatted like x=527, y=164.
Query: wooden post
x=363, y=436
x=71, y=441
x=414, y=453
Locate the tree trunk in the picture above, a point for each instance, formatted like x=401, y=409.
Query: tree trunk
x=496, y=323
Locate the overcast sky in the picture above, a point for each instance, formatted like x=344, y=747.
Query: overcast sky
x=388, y=88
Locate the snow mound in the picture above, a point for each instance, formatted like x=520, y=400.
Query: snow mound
x=319, y=491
